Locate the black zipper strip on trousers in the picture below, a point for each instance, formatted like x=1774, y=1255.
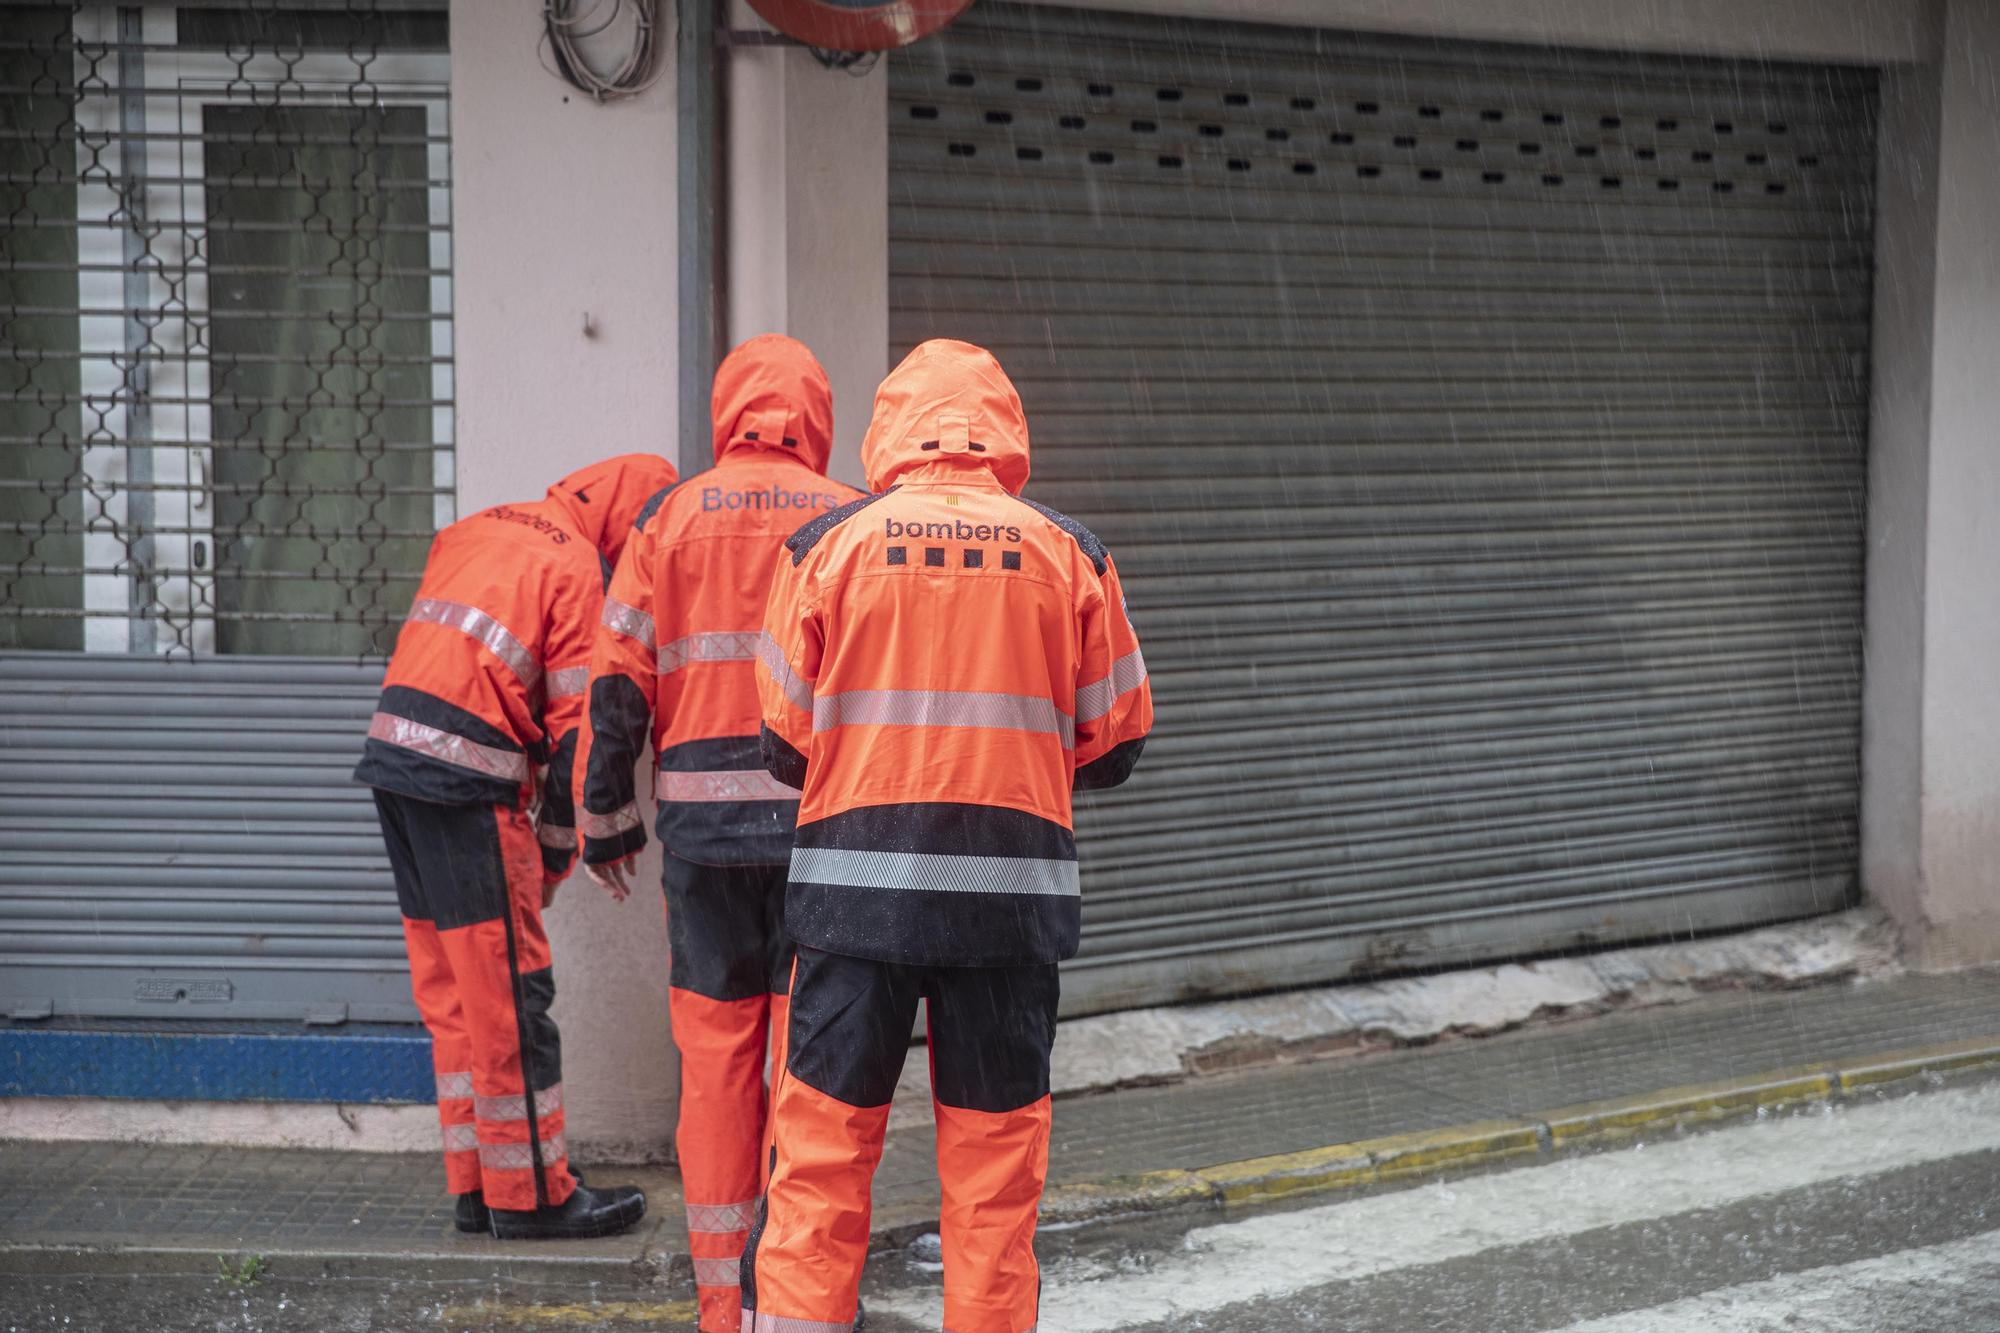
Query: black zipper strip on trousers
x=521, y=1022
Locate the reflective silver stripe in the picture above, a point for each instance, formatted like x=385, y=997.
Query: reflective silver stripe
x=718, y=1272
x=568, y=681
x=932, y=871
x=461, y=1138
x=796, y=687
x=629, y=621
x=756, y=1321
x=735, y=784
x=448, y=746
x=559, y=836
x=943, y=708
x=721, y=1219
x=484, y=629
x=520, y=1156
x=618, y=821
x=716, y=647
x=1095, y=699
x=547, y=1102
x=457, y=1084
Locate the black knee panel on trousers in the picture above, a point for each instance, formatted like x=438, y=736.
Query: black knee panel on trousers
x=446, y=860
x=725, y=929
x=991, y=1029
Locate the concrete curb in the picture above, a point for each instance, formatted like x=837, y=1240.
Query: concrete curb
x=1561, y=1131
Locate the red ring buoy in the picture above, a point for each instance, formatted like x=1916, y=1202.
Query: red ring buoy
x=852, y=26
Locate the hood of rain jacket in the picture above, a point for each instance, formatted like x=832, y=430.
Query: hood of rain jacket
x=948, y=404
x=772, y=394
x=602, y=500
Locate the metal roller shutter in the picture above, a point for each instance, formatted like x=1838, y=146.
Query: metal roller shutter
x=1480, y=431
x=184, y=839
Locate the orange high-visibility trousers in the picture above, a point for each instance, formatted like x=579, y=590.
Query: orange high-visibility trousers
x=991, y=1029
x=469, y=882
x=731, y=964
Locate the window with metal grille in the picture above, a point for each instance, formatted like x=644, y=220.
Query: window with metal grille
x=226, y=399
x=225, y=442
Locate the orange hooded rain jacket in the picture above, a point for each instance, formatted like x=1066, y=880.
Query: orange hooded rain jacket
x=486, y=687
x=944, y=662
x=679, y=634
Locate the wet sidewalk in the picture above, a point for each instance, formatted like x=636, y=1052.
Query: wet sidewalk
x=171, y=1207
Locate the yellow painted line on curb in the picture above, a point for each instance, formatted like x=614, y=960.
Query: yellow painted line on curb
x=1401, y=1155
x=1370, y=1161
x=1123, y=1194
x=1339, y=1166
x=1623, y=1117
x=1891, y=1066
x=571, y=1316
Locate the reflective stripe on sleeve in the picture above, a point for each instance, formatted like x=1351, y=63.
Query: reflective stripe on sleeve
x=561, y=837
x=721, y=1219
x=458, y=1084
x=568, y=681
x=744, y=784
x=484, y=629
x=943, y=708
x=448, y=747
x=933, y=871
x=547, y=1102
x=629, y=621
x=715, y=647
x=718, y=1272
x=796, y=687
x=521, y=1156
x=461, y=1138
x=621, y=820
x=1094, y=700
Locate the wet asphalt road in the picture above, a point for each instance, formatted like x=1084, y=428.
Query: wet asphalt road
x=1882, y=1217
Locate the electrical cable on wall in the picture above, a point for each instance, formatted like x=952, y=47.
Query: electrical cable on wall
x=566, y=25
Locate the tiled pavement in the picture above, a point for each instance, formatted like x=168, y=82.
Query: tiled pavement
x=352, y=1204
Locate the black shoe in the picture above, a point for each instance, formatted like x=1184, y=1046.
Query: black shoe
x=860, y=1315
x=472, y=1216
x=587, y=1212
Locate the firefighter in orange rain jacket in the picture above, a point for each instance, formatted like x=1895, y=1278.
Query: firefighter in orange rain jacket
x=945, y=663
x=483, y=695
x=674, y=664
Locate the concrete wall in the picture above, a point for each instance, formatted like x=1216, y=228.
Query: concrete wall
x=809, y=221
x=1899, y=489
x=1958, y=919
x=565, y=210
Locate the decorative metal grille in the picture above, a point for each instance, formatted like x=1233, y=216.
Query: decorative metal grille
x=225, y=308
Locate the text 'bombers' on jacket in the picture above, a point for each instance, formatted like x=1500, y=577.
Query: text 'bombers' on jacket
x=944, y=663
x=487, y=682
x=681, y=620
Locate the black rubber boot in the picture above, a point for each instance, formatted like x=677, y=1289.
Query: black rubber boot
x=472, y=1217
x=587, y=1212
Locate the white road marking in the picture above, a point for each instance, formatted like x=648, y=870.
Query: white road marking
x=1279, y=1254
x=1840, y=1298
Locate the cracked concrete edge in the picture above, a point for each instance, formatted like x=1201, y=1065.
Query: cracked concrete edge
x=1164, y=1045
x=1156, y=1045
x=1561, y=1131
